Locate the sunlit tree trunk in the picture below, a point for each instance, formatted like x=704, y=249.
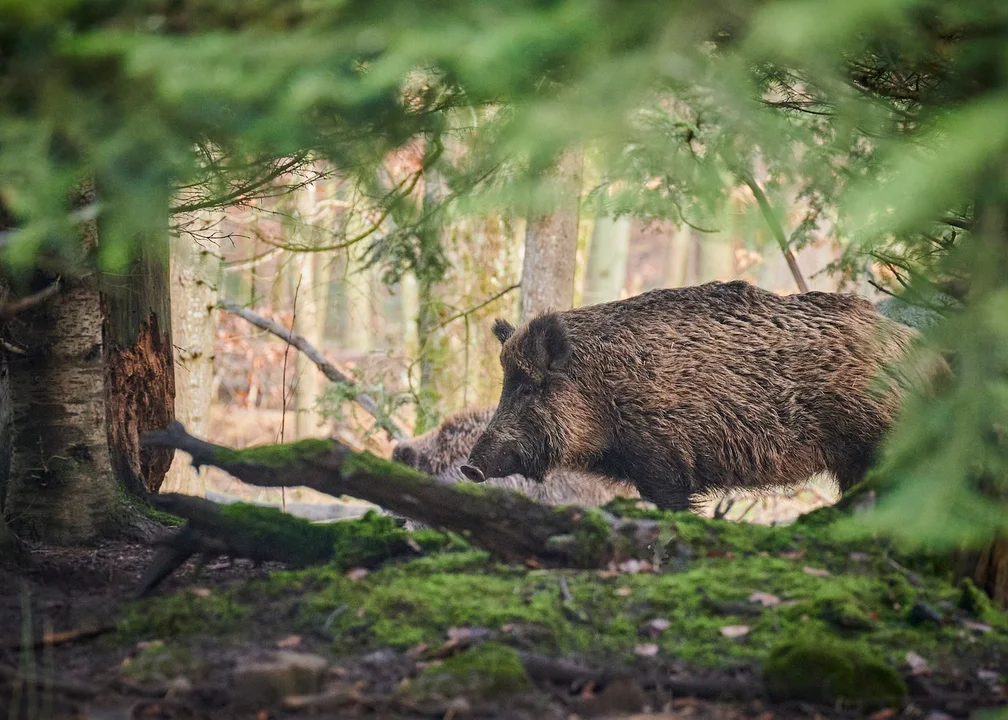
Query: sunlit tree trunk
x=310, y=323
x=607, y=260
x=551, y=247
x=195, y=275
x=677, y=257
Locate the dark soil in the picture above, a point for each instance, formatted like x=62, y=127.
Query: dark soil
x=84, y=588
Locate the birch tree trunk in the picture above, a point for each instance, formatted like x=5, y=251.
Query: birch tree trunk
x=607, y=260
x=551, y=247
x=61, y=487
x=195, y=276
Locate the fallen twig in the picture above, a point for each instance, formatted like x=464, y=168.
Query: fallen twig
x=329, y=369
x=61, y=638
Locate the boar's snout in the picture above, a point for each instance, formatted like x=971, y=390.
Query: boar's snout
x=473, y=473
x=404, y=455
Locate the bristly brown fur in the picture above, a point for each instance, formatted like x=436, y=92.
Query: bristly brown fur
x=442, y=452
x=690, y=390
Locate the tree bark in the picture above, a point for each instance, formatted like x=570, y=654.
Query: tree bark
x=139, y=367
x=61, y=486
x=194, y=283
x=551, y=247
x=607, y=260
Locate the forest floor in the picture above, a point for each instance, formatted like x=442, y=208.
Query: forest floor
x=732, y=620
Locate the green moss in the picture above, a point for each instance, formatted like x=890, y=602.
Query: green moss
x=593, y=537
x=271, y=527
x=277, y=456
x=486, y=671
x=164, y=518
x=843, y=610
x=180, y=615
x=973, y=600
x=823, y=670
x=159, y=662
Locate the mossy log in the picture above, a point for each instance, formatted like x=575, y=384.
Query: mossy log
x=510, y=526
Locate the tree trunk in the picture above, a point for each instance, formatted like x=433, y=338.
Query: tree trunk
x=607, y=260
x=309, y=322
x=139, y=367
x=8, y=546
x=551, y=247
x=194, y=289
x=717, y=259
x=357, y=323
x=677, y=257
x=61, y=486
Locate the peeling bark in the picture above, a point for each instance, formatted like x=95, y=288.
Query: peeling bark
x=139, y=367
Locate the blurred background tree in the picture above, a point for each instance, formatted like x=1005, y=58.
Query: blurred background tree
x=382, y=176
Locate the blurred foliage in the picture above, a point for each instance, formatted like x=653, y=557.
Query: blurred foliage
x=888, y=117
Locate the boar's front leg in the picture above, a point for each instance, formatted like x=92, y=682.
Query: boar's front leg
x=666, y=494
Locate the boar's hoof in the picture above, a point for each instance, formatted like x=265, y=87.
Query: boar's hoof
x=473, y=473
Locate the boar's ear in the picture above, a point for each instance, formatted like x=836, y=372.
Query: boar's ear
x=502, y=329
x=549, y=346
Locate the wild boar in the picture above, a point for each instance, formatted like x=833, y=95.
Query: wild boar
x=694, y=390
x=442, y=452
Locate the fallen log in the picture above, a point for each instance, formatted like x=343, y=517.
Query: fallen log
x=510, y=526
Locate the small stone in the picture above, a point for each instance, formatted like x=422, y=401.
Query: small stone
x=922, y=613
x=378, y=658
x=859, y=556
x=646, y=650
x=918, y=665
x=286, y=673
x=178, y=687
x=623, y=591
x=200, y=592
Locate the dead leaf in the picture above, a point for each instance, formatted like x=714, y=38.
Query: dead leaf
x=765, y=599
x=859, y=556
x=646, y=650
x=289, y=641
x=735, y=631
x=655, y=627
x=355, y=574
x=883, y=714
x=414, y=545
x=818, y=572
x=793, y=555
x=918, y=665
x=200, y=592
x=623, y=591
x=417, y=650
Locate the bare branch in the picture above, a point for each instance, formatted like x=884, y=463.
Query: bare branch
x=14, y=307
x=330, y=370
x=776, y=229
